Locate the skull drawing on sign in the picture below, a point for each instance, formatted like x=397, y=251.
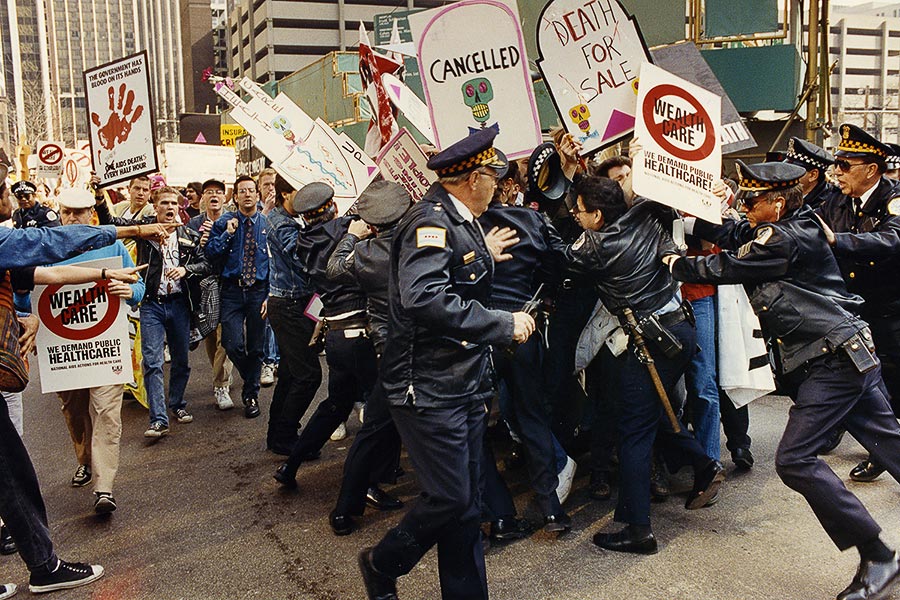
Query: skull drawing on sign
x=580, y=115
x=476, y=94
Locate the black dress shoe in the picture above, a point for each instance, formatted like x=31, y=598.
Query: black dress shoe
x=285, y=477
x=873, y=580
x=341, y=524
x=379, y=499
x=507, y=530
x=742, y=459
x=378, y=585
x=557, y=523
x=834, y=440
x=7, y=543
x=599, y=488
x=251, y=408
x=626, y=541
x=866, y=471
x=706, y=486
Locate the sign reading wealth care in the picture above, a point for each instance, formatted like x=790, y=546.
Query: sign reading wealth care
x=475, y=74
x=83, y=338
x=198, y=162
x=679, y=127
x=590, y=55
x=120, y=119
x=403, y=162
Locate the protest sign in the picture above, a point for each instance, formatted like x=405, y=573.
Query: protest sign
x=83, y=338
x=475, y=74
x=403, y=162
x=301, y=149
x=679, y=128
x=120, y=119
x=590, y=54
x=229, y=132
x=50, y=161
x=409, y=104
x=198, y=162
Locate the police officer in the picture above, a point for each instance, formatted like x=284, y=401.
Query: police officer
x=893, y=162
x=796, y=288
x=866, y=222
x=435, y=371
x=374, y=455
x=815, y=161
x=31, y=213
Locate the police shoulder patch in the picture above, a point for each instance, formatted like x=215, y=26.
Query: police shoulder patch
x=52, y=216
x=434, y=237
x=763, y=234
x=580, y=241
x=893, y=206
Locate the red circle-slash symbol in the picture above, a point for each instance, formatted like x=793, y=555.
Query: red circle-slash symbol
x=658, y=130
x=55, y=322
x=51, y=154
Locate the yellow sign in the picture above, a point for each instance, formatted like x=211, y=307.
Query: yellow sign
x=229, y=133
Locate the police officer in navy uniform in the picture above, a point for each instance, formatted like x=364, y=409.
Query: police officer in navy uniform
x=815, y=161
x=31, y=213
x=866, y=222
x=796, y=289
x=435, y=371
x=364, y=260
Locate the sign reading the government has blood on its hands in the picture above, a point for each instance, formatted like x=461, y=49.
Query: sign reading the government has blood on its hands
x=83, y=338
x=120, y=119
x=475, y=74
x=590, y=54
x=679, y=128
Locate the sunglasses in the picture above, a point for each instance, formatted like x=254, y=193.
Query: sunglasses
x=751, y=201
x=846, y=165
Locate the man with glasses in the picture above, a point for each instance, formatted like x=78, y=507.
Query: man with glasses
x=31, y=213
x=866, y=242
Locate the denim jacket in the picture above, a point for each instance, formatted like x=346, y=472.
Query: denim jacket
x=229, y=246
x=286, y=277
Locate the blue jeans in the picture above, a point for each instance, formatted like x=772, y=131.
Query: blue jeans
x=169, y=321
x=240, y=307
x=271, y=355
x=701, y=379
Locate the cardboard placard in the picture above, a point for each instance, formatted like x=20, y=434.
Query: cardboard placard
x=198, y=162
x=403, y=162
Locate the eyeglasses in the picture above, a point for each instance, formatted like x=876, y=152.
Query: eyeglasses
x=493, y=176
x=575, y=210
x=846, y=165
x=750, y=202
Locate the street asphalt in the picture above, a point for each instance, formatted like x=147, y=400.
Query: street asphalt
x=200, y=517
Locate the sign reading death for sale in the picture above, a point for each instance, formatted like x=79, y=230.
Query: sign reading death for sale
x=120, y=119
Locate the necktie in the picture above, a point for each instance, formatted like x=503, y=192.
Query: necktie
x=248, y=265
x=857, y=205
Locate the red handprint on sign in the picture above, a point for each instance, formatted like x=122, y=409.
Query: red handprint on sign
x=118, y=125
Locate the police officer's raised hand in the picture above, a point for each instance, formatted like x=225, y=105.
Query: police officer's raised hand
x=498, y=240
x=523, y=327
x=232, y=225
x=829, y=234
x=359, y=228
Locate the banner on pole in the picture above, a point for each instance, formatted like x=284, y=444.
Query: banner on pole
x=403, y=162
x=120, y=119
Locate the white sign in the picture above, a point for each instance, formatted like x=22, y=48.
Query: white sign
x=403, y=162
x=590, y=54
x=301, y=149
x=475, y=74
x=409, y=104
x=679, y=129
x=50, y=160
x=120, y=119
x=77, y=168
x=83, y=338
x=198, y=162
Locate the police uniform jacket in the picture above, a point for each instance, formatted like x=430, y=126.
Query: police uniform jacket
x=820, y=194
x=314, y=247
x=36, y=216
x=867, y=245
x=623, y=259
x=791, y=277
x=439, y=326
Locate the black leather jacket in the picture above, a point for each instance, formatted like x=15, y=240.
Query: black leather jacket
x=792, y=278
x=314, y=247
x=867, y=246
x=439, y=327
x=623, y=259
x=820, y=194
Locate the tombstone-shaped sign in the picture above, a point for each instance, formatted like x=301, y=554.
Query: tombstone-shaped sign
x=590, y=55
x=475, y=73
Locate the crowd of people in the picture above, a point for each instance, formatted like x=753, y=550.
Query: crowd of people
x=539, y=297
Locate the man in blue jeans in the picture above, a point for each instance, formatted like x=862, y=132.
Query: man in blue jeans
x=238, y=240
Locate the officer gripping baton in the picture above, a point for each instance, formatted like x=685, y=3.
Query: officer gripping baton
x=644, y=356
x=530, y=308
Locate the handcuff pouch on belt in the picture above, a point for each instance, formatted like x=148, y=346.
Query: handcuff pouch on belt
x=655, y=328
x=861, y=350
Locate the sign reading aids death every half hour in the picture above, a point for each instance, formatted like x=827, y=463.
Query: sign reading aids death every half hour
x=83, y=338
x=679, y=129
x=590, y=55
x=475, y=74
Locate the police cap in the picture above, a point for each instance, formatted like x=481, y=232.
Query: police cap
x=893, y=161
x=857, y=143
x=468, y=154
x=213, y=183
x=768, y=176
x=383, y=203
x=75, y=198
x=20, y=188
x=808, y=155
x=545, y=174
x=312, y=199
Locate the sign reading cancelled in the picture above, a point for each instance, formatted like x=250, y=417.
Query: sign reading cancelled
x=678, y=127
x=83, y=339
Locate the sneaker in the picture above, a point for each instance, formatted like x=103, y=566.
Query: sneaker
x=156, y=430
x=565, y=477
x=7, y=543
x=267, y=375
x=104, y=503
x=82, y=476
x=7, y=590
x=183, y=416
x=339, y=433
x=223, y=399
x=361, y=409
x=66, y=575
x=166, y=356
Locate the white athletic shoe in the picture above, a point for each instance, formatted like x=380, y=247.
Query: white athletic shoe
x=223, y=399
x=339, y=433
x=7, y=590
x=267, y=375
x=566, y=476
